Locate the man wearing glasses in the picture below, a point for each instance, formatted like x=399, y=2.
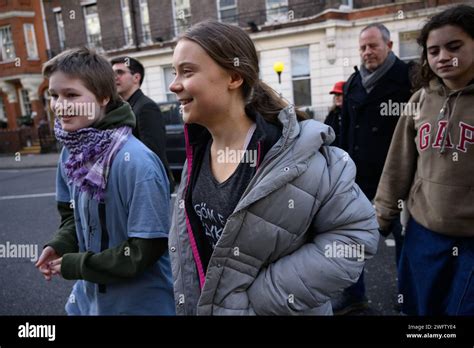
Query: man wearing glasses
x=150, y=129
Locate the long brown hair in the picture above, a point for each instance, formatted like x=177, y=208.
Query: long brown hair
x=233, y=49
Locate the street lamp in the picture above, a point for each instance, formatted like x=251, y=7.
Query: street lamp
x=278, y=68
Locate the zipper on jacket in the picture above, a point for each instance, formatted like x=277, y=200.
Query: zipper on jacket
x=192, y=240
x=178, y=247
x=259, y=152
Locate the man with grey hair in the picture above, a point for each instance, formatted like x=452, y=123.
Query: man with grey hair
x=367, y=128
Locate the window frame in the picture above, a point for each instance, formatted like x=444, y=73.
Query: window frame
x=3, y=110
x=145, y=27
x=25, y=102
x=226, y=8
x=96, y=44
x=177, y=27
x=277, y=17
x=3, y=46
x=301, y=77
x=170, y=96
x=31, y=46
x=60, y=28
x=415, y=34
x=127, y=31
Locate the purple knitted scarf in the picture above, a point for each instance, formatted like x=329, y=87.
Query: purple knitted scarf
x=91, y=152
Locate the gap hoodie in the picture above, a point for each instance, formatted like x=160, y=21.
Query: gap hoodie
x=431, y=162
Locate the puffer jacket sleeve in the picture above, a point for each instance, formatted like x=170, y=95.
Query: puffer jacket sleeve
x=311, y=275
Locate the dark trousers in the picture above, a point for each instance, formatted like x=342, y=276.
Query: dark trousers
x=436, y=273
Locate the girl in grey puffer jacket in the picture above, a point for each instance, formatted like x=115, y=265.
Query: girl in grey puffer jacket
x=268, y=219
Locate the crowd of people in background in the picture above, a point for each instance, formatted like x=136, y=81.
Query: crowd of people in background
x=417, y=157
x=260, y=237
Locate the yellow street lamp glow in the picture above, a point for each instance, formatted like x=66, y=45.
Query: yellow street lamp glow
x=278, y=67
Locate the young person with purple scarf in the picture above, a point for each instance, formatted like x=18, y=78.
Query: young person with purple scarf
x=112, y=194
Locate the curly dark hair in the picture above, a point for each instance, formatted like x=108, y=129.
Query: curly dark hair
x=461, y=16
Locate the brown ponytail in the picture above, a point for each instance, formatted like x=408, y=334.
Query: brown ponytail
x=268, y=103
x=233, y=49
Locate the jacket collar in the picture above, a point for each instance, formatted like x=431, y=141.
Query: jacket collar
x=387, y=84
x=437, y=85
x=121, y=116
x=134, y=97
x=288, y=158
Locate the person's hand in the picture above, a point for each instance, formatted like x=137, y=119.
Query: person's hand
x=385, y=227
x=55, y=266
x=48, y=255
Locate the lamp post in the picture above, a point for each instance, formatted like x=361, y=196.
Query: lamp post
x=278, y=67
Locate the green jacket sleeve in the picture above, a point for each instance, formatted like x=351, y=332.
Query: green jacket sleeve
x=120, y=263
x=65, y=240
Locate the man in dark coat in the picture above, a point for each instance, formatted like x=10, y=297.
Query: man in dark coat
x=150, y=129
x=373, y=101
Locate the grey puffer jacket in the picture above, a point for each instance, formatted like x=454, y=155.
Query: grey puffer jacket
x=280, y=250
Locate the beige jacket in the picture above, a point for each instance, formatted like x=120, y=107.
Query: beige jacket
x=433, y=170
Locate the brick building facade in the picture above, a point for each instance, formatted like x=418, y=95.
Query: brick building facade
x=22, y=54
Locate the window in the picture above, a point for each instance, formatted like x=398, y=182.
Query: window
x=47, y=108
x=3, y=112
x=409, y=48
x=61, y=33
x=169, y=77
x=30, y=40
x=127, y=23
x=227, y=11
x=346, y=4
x=145, y=19
x=300, y=72
x=26, y=107
x=7, y=49
x=94, y=38
x=277, y=10
x=182, y=15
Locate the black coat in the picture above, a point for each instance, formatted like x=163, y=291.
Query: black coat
x=151, y=128
x=334, y=120
x=366, y=134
